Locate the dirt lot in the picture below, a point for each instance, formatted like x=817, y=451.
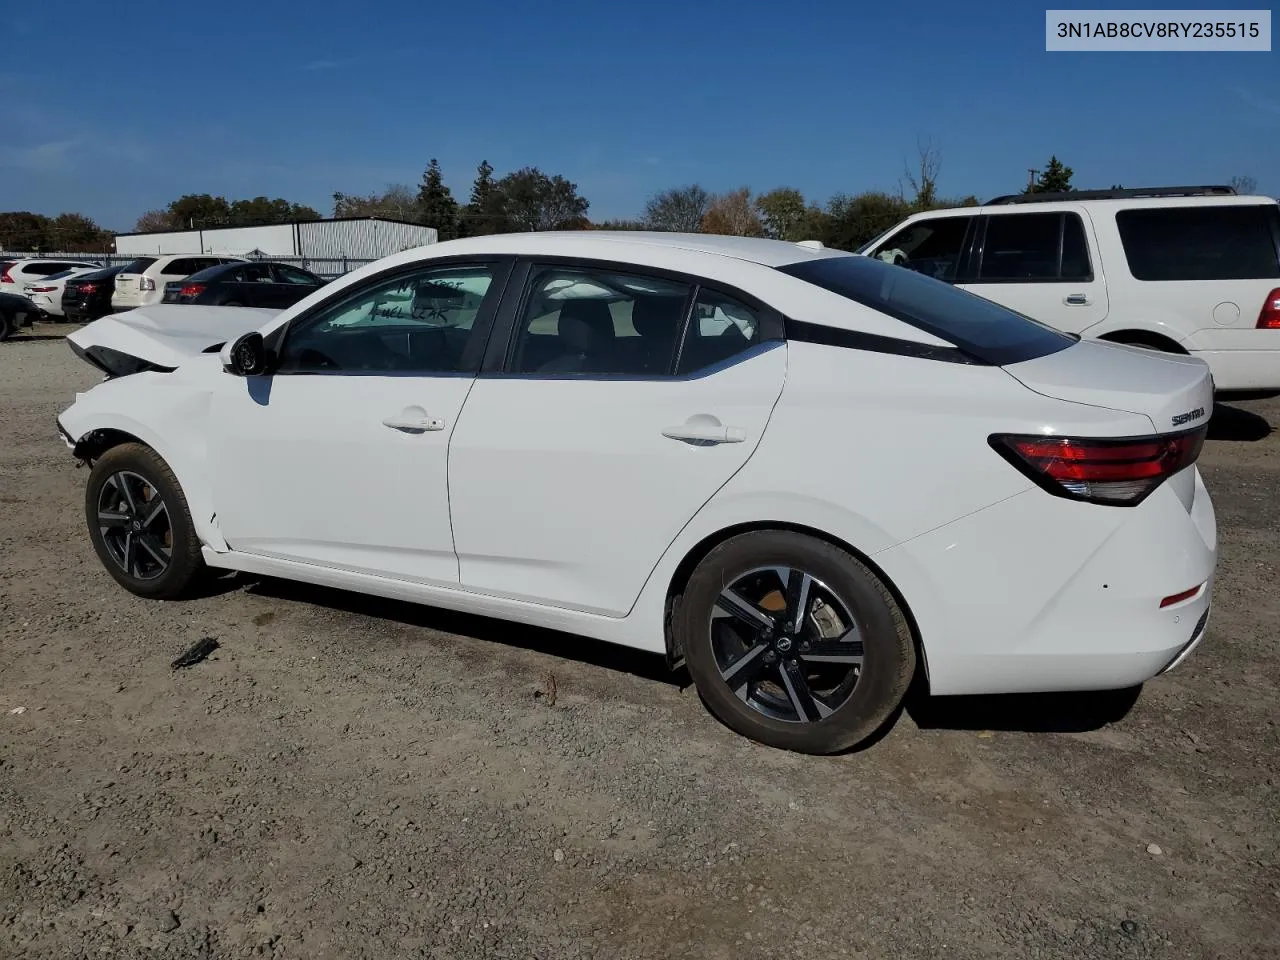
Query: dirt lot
x=349, y=778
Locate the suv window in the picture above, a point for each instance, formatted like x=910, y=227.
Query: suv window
x=419, y=322
x=1034, y=247
x=932, y=246
x=182, y=267
x=1234, y=242
x=720, y=328
x=49, y=269
x=981, y=328
x=595, y=321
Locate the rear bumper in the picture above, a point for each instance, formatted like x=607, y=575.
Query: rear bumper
x=1039, y=594
x=1241, y=359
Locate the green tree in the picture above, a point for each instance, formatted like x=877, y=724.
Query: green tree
x=850, y=221
x=782, y=211
x=1056, y=178
x=436, y=206
x=196, y=210
x=678, y=210
x=22, y=231
x=485, y=212
x=622, y=224
x=397, y=202
x=268, y=210
x=76, y=233
x=534, y=201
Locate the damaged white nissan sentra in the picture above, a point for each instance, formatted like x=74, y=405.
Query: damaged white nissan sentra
x=805, y=474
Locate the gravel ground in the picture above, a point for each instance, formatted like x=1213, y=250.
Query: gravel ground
x=351, y=778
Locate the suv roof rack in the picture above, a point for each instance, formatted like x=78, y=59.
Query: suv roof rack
x=1117, y=194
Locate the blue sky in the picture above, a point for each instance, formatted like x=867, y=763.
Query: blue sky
x=111, y=109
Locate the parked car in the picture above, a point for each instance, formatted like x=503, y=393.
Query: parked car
x=46, y=294
x=805, y=474
x=143, y=281
x=1187, y=270
x=16, y=274
x=256, y=284
x=87, y=296
x=15, y=313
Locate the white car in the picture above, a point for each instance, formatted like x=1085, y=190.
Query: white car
x=808, y=475
x=142, y=281
x=1190, y=270
x=15, y=275
x=45, y=294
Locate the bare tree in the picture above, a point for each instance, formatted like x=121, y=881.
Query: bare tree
x=679, y=210
x=922, y=178
x=152, y=221
x=1243, y=184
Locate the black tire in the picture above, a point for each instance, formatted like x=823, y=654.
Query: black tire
x=848, y=714
x=137, y=520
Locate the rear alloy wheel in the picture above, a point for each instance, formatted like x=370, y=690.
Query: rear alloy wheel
x=795, y=643
x=139, y=523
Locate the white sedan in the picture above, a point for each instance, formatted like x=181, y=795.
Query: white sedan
x=46, y=292
x=809, y=476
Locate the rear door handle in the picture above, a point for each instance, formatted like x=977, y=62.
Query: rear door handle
x=1076, y=299
x=706, y=433
x=423, y=424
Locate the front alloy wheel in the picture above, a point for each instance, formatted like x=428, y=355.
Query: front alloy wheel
x=133, y=521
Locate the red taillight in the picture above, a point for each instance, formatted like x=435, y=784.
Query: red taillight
x=4, y=274
x=86, y=287
x=1117, y=472
x=43, y=289
x=191, y=290
x=1269, y=318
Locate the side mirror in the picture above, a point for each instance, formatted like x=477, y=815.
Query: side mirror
x=246, y=357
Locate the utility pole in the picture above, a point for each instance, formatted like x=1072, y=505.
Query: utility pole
x=1031, y=179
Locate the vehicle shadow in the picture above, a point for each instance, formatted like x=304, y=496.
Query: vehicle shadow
x=1233, y=423
x=595, y=653
x=1023, y=713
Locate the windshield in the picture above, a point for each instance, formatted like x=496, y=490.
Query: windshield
x=984, y=330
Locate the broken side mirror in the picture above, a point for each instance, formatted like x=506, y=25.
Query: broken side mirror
x=247, y=356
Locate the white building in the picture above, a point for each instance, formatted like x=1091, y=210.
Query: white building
x=359, y=238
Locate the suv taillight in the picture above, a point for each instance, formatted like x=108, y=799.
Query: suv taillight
x=146, y=283
x=4, y=274
x=1269, y=318
x=1119, y=473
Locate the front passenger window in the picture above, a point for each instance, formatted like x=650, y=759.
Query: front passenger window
x=419, y=322
x=931, y=246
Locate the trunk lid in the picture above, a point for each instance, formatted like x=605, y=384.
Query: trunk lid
x=1174, y=391
x=169, y=335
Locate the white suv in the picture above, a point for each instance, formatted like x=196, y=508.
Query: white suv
x=1185, y=269
x=16, y=274
x=141, y=283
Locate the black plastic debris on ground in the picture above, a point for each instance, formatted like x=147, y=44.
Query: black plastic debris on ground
x=195, y=653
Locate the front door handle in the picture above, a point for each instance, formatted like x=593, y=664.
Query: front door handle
x=1076, y=299
x=421, y=424
x=706, y=433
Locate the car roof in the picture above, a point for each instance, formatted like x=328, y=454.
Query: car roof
x=624, y=244
x=1120, y=203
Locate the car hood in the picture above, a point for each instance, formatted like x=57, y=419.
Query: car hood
x=167, y=335
x=1173, y=390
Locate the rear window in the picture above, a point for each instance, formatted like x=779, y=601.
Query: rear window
x=1234, y=242
x=982, y=329
x=139, y=266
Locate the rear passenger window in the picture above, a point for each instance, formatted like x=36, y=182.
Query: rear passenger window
x=719, y=329
x=1035, y=247
x=1234, y=242
x=180, y=268
x=595, y=322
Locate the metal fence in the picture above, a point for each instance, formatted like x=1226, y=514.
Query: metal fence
x=321, y=267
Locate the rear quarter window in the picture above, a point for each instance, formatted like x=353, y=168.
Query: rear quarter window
x=980, y=328
x=1235, y=242
x=140, y=265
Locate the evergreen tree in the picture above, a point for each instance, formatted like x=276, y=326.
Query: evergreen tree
x=436, y=206
x=1055, y=179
